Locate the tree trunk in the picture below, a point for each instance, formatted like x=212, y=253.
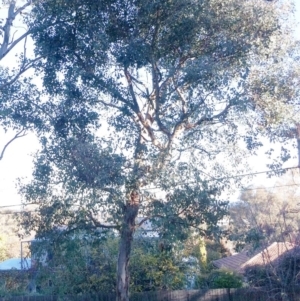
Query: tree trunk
x=298, y=142
x=127, y=231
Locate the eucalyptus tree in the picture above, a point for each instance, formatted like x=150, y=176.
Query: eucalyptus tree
x=147, y=113
x=17, y=92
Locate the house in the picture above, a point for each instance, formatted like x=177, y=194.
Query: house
x=270, y=255
x=239, y=262
x=233, y=262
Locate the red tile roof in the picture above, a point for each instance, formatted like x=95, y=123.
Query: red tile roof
x=240, y=261
x=268, y=255
x=233, y=262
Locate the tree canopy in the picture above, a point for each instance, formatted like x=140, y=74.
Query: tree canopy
x=19, y=97
x=148, y=112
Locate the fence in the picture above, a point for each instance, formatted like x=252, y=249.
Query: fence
x=191, y=295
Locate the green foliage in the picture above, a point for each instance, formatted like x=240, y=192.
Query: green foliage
x=277, y=81
x=203, y=252
x=78, y=266
x=196, y=58
x=155, y=268
x=222, y=278
x=14, y=283
x=214, y=249
x=225, y=279
x=203, y=273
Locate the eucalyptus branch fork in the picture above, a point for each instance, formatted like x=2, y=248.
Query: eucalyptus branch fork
x=20, y=134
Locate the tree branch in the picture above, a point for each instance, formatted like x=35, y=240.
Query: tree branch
x=6, y=28
x=13, y=44
x=210, y=119
x=100, y=225
x=19, y=10
x=20, y=134
x=21, y=71
x=158, y=90
x=115, y=92
x=6, y=46
x=146, y=123
x=183, y=101
x=109, y=104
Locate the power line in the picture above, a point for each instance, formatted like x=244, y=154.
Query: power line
x=238, y=176
x=243, y=189
x=15, y=212
x=276, y=186
x=213, y=179
x=256, y=173
x=16, y=205
x=8, y=206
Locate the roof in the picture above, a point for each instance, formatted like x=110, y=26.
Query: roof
x=15, y=264
x=269, y=255
x=233, y=262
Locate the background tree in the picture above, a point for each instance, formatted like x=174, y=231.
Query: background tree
x=144, y=99
x=274, y=89
x=18, y=95
x=265, y=215
x=280, y=278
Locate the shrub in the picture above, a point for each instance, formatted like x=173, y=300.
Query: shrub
x=224, y=278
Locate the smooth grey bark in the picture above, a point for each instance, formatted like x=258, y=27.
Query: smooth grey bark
x=8, y=44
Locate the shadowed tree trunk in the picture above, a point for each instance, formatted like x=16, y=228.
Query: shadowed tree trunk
x=127, y=231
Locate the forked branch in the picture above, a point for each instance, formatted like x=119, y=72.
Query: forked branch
x=8, y=45
x=20, y=134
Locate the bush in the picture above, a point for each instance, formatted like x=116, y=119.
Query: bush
x=78, y=266
x=14, y=283
x=224, y=278
x=154, y=269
